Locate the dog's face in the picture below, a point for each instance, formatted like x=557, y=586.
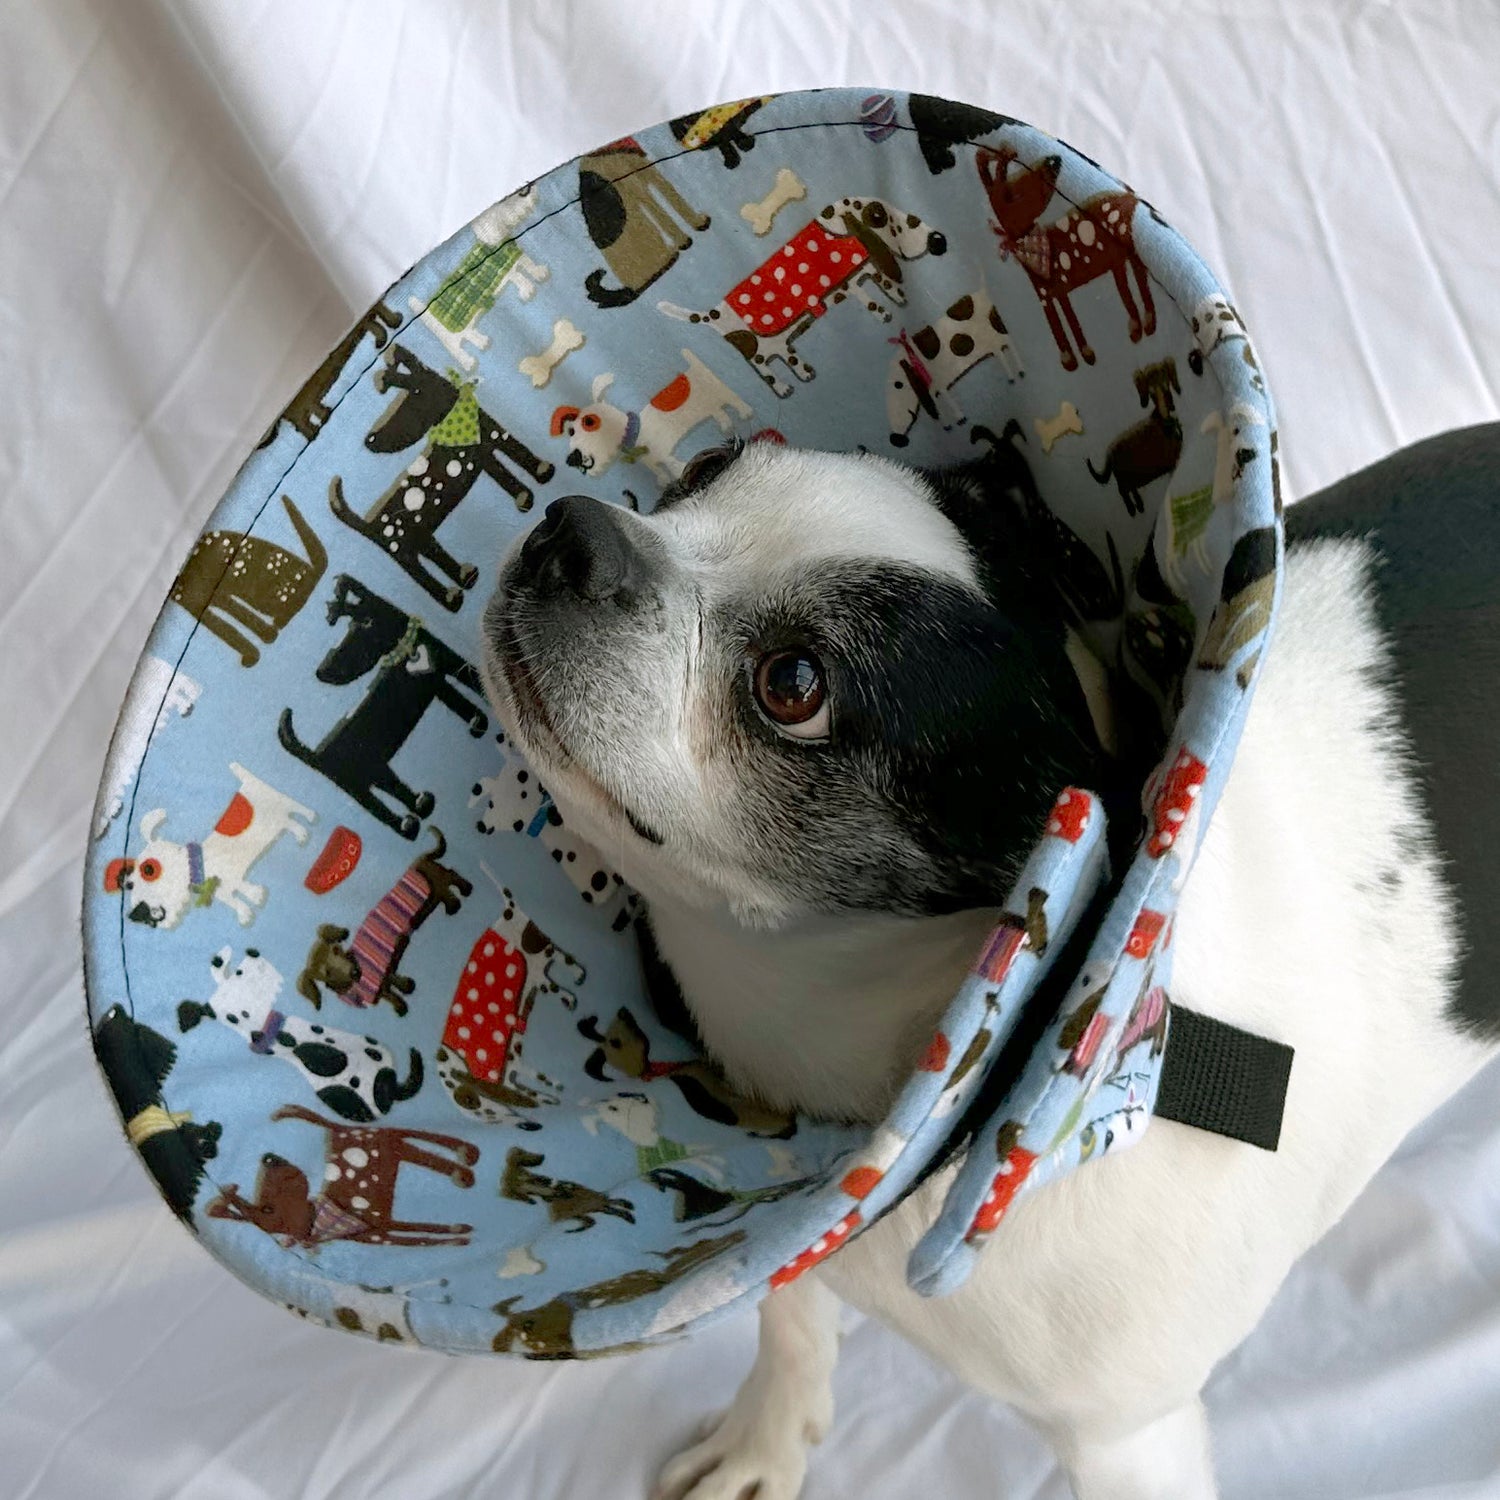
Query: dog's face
x=252, y=982
x=157, y=884
x=793, y=688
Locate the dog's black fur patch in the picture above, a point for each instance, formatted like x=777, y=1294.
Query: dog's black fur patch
x=956, y=719
x=1432, y=514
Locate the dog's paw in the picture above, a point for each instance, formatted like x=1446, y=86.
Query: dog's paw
x=744, y=1453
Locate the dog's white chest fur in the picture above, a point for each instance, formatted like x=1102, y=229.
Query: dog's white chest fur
x=1314, y=915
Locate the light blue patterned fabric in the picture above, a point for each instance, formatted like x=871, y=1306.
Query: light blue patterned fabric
x=374, y=1018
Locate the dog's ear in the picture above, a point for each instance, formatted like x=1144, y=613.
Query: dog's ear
x=874, y=244
x=151, y=822
x=332, y=933
x=602, y=383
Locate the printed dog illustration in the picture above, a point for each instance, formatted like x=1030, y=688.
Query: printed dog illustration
x=521, y=1183
x=1095, y=238
x=1245, y=601
x=935, y=358
x=512, y=965
x=495, y=261
x=168, y=879
x=720, y=129
x=853, y=245
x=941, y=124
x=233, y=582
x=461, y=442
x=546, y=1332
x=368, y=970
x=308, y=410
x=382, y=1313
x=513, y=798
x=1215, y=322
x=355, y=1076
x=1185, y=517
x=632, y=213
x=136, y=1060
x=1151, y=448
x=357, y=1201
x=176, y=692
x=626, y=1048
x=412, y=669
x=600, y=433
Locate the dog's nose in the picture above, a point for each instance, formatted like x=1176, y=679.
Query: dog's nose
x=937, y=243
x=579, y=547
x=144, y=913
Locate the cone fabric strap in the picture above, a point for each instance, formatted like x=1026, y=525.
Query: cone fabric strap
x=1219, y=1078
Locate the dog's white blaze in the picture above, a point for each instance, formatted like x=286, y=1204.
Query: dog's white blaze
x=793, y=509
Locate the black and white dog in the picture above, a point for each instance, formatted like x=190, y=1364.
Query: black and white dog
x=817, y=713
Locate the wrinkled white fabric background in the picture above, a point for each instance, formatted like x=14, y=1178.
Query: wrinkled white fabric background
x=194, y=199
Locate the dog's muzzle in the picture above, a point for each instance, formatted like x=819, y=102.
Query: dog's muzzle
x=147, y=915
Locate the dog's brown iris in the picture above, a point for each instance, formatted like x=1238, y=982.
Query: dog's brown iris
x=789, y=685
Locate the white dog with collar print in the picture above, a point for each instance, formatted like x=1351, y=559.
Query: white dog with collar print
x=798, y=901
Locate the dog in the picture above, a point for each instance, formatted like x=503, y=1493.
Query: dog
x=721, y=129
x=546, y=1332
x=461, y=441
x=941, y=124
x=357, y=1200
x=136, y=1060
x=369, y=969
x=935, y=358
x=626, y=1049
x=177, y=694
x=1092, y=239
x=1215, y=321
x=513, y=964
x=514, y=799
x=852, y=245
x=168, y=879
x=412, y=669
x=494, y=262
x=821, y=753
x=599, y=433
x=522, y=1183
x=1150, y=449
x=354, y=1076
x=232, y=582
x=308, y=411
x=633, y=215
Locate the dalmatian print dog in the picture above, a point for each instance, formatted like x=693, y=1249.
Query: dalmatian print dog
x=513, y=798
x=933, y=360
x=355, y=1076
x=512, y=965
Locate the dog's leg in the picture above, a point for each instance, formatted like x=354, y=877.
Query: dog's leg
x=1168, y=1459
x=759, y=1446
x=463, y=574
x=249, y=653
x=450, y=697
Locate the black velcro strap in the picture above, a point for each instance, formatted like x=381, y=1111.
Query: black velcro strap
x=1219, y=1078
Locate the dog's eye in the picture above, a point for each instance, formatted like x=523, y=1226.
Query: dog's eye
x=148, y=869
x=704, y=467
x=790, y=690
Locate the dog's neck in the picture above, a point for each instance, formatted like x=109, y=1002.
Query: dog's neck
x=829, y=1015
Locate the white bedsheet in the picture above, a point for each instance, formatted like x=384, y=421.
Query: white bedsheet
x=194, y=197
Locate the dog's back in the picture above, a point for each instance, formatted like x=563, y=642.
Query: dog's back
x=1432, y=515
